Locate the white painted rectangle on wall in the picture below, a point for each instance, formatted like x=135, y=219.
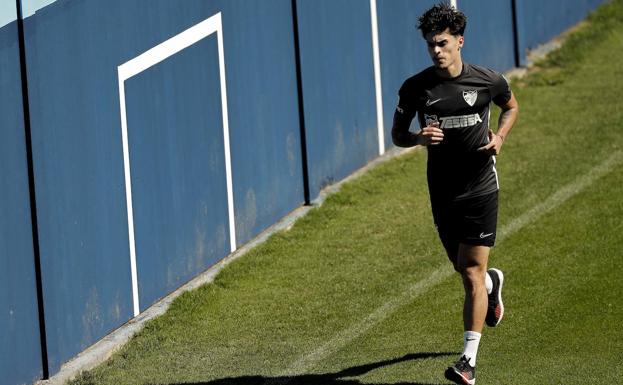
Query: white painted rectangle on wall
x=139, y=64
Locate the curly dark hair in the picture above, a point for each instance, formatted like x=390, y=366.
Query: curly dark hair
x=440, y=17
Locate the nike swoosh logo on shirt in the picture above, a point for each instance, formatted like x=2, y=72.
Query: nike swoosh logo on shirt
x=431, y=102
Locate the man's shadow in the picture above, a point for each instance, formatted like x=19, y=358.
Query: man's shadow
x=343, y=377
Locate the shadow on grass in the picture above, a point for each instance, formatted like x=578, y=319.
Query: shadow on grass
x=343, y=377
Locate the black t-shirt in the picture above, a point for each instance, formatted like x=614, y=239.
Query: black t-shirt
x=456, y=170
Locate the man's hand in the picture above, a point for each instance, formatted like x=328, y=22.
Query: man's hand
x=507, y=119
x=430, y=135
x=494, y=146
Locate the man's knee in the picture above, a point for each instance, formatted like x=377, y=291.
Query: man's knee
x=473, y=275
x=472, y=263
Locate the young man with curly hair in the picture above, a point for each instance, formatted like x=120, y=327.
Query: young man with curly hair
x=452, y=99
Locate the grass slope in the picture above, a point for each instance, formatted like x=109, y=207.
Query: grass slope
x=374, y=239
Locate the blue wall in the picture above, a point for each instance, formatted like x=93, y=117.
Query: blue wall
x=338, y=88
x=178, y=169
x=20, y=354
x=402, y=49
x=176, y=150
x=177, y=144
x=79, y=172
x=538, y=21
x=489, y=37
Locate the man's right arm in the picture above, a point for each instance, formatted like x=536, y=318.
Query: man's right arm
x=401, y=136
x=430, y=135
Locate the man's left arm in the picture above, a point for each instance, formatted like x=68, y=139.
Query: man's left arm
x=508, y=116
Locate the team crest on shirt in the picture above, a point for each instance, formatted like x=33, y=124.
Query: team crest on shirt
x=430, y=119
x=470, y=97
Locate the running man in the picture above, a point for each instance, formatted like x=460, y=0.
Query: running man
x=451, y=99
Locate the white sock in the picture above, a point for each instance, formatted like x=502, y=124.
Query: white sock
x=470, y=346
x=488, y=283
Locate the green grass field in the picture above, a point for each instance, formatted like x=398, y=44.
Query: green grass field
x=360, y=291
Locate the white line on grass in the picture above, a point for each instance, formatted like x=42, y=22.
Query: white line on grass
x=307, y=362
x=562, y=195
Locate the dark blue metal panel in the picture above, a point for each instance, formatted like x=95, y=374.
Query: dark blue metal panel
x=338, y=88
x=402, y=48
x=20, y=354
x=489, y=37
x=79, y=175
x=263, y=113
x=539, y=21
x=73, y=51
x=178, y=169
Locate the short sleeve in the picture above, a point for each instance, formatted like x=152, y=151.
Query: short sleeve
x=500, y=89
x=407, y=106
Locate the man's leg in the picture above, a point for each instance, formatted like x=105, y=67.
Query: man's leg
x=472, y=265
x=477, y=223
x=471, y=262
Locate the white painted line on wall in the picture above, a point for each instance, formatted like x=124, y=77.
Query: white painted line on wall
x=228, y=174
x=377, y=76
x=128, y=198
x=139, y=64
x=308, y=361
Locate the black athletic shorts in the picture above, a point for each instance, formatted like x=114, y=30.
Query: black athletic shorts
x=472, y=221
